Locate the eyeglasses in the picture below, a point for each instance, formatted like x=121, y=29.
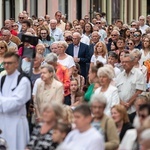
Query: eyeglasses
x=130, y=43
x=1, y=47
x=132, y=32
x=113, y=35
x=8, y=63
x=98, y=22
x=21, y=17
x=137, y=35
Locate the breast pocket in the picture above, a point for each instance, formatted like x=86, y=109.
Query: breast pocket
x=119, y=86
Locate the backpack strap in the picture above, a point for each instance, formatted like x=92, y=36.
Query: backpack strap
x=2, y=81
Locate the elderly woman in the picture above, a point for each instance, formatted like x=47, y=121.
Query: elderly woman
x=48, y=89
x=106, y=75
x=121, y=119
x=63, y=58
x=62, y=74
x=137, y=54
x=104, y=124
x=41, y=137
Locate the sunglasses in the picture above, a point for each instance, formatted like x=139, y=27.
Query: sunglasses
x=98, y=22
x=137, y=35
x=1, y=47
x=113, y=35
x=21, y=17
x=130, y=43
x=132, y=32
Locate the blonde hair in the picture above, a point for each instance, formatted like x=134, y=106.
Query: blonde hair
x=103, y=47
x=122, y=111
x=5, y=45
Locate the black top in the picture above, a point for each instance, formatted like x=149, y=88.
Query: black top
x=132, y=116
x=40, y=141
x=125, y=127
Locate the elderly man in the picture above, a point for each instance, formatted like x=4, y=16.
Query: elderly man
x=130, y=83
x=6, y=36
x=8, y=24
x=55, y=32
x=102, y=122
x=114, y=37
x=80, y=52
x=143, y=26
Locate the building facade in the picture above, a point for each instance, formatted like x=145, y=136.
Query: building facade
x=126, y=10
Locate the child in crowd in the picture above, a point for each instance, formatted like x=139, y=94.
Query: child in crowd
x=112, y=60
x=74, y=88
x=60, y=132
x=76, y=75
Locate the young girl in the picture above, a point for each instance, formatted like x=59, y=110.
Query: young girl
x=76, y=75
x=100, y=52
x=74, y=89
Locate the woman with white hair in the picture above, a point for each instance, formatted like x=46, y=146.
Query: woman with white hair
x=63, y=58
x=48, y=89
x=106, y=75
x=104, y=124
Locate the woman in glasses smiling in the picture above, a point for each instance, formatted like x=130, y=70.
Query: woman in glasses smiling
x=3, y=50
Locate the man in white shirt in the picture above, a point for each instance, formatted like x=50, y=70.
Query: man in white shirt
x=84, y=137
x=142, y=26
x=55, y=32
x=13, y=99
x=84, y=38
x=130, y=83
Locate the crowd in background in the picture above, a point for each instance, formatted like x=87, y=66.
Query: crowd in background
x=90, y=83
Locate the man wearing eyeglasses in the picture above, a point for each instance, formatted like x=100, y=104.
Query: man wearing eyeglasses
x=101, y=31
x=137, y=39
x=13, y=99
x=20, y=19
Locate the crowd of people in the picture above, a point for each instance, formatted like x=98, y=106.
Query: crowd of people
x=85, y=87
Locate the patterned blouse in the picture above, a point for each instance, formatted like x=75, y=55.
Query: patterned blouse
x=40, y=141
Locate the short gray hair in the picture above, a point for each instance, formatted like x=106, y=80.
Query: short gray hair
x=136, y=51
x=50, y=68
x=131, y=56
x=64, y=43
x=51, y=57
x=98, y=97
x=106, y=71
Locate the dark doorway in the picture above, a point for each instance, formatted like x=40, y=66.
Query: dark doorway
x=79, y=12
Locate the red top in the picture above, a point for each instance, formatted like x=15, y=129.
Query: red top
x=62, y=74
